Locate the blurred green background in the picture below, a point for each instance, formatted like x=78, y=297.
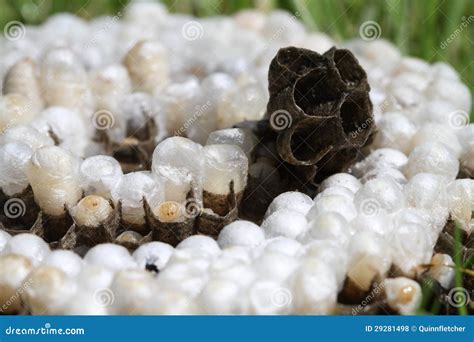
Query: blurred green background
x=417, y=27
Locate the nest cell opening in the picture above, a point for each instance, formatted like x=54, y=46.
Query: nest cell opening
x=356, y=120
x=348, y=67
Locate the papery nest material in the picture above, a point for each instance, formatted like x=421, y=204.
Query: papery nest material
x=320, y=109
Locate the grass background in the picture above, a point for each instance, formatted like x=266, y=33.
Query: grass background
x=417, y=27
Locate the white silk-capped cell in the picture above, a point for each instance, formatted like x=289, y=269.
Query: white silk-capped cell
x=200, y=242
x=385, y=173
x=4, y=237
x=15, y=109
x=66, y=126
x=28, y=135
x=285, y=222
x=14, y=269
x=382, y=158
x=224, y=164
x=132, y=190
x=333, y=203
x=22, y=79
x=313, y=288
x=369, y=257
x=241, y=233
x=64, y=82
x=329, y=226
x=452, y=91
x=243, y=138
x=153, y=255
x=109, y=85
x=336, y=190
x=28, y=245
x=428, y=191
x=131, y=289
x=110, y=256
x=67, y=261
x=99, y=175
x=275, y=266
x=432, y=157
x=394, y=130
x=14, y=158
x=53, y=174
x=180, y=162
x=341, y=179
x=147, y=64
x=283, y=245
x=291, y=200
x=461, y=202
x=379, y=195
x=434, y=132
x=49, y=291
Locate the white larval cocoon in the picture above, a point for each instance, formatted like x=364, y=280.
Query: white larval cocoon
x=243, y=102
x=341, y=179
x=49, y=291
x=200, y=242
x=15, y=109
x=379, y=195
x=329, y=226
x=198, y=259
x=131, y=290
x=14, y=158
x=385, y=173
x=442, y=269
x=94, y=278
x=132, y=190
x=241, y=233
x=283, y=245
x=109, y=85
x=461, y=202
x=395, y=131
x=433, y=132
x=403, y=295
x=291, y=200
x=314, y=288
x=235, y=270
x=369, y=258
x=147, y=64
x=180, y=162
x=335, y=190
x=184, y=277
x=181, y=102
x=411, y=246
x=451, y=91
x=333, y=255
x=67, y=261
x=380, y=223
x=224, y=164
x=428, y=191
x=99, y=175
x=26, y=134
x=4, y=237
x=285, y=222
x=153, y=254
x=243, y=138
x=14, y=269
x=64, y=82
x=240, y=253
x=108, y=255
x=168, y=301
x=275, y=266
x=382, y=158
x=86, y=303
x=66, y=126
x=333, y=203
x=91, y=211
x=266, y=297
x=53, y=175
x=22, y=79
x=28, y=245
x=221, y=297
